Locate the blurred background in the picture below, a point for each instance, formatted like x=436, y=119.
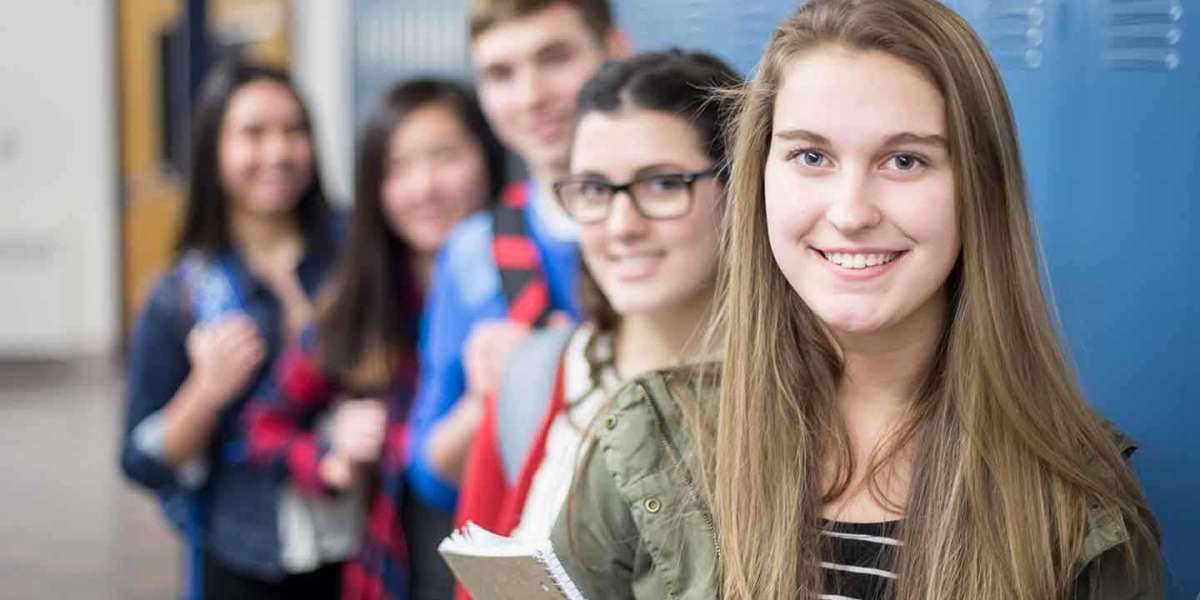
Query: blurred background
x=95, y=98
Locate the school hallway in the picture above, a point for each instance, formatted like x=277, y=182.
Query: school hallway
x=70, y=526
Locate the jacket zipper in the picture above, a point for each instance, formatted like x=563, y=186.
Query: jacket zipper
x=677, y=458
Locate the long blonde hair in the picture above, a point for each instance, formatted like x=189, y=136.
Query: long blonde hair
x=1009, y=457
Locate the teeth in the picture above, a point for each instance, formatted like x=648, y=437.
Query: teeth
x=634, y=260
x=859, y=261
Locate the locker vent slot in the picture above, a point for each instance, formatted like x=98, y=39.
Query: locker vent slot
x=1015, y=30
x=1144, y=35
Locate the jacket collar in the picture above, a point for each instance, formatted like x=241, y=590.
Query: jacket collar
x=1106, y=530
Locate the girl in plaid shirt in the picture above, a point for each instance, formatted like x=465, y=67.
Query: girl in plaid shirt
x=334, y=423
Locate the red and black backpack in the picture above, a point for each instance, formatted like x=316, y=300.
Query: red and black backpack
x=522, y=278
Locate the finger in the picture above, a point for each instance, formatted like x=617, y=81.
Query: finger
x=247, y=355
x=244, y=331
x=197, y=333
x=232, y=342
x=223, y=333
x=242, y=328
x=559, y=318
x=235, y=320
x=198, y=343
x=241, y=344
x=487, y=379
x=472, y=371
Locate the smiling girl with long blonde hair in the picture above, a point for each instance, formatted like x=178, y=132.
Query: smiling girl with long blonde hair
x=896, y=416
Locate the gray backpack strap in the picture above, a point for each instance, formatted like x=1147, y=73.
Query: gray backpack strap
x=526, y=384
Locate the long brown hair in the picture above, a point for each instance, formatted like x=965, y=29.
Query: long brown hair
x=1009, y=456
x=368, y=314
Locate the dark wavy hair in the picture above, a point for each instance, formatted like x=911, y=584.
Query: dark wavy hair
x=671, y=81
x=206, y=221
x=368, y=314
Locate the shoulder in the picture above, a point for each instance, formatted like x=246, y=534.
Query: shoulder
x=470, y=235
x=647, y=422
x=166, y=300
x=1116, y=562
x=156, y=353
x=662, y=397
x=466, y=260
x=1125, y=444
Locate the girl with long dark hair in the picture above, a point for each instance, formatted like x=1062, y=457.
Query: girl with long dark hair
x=646, y=185
x=256, y=242
x=334, y=427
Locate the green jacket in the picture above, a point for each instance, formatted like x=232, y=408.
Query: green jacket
x=635, y=526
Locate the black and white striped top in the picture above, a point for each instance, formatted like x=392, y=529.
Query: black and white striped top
x=857, y=559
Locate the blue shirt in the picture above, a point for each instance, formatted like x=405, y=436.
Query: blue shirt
x=466, y=290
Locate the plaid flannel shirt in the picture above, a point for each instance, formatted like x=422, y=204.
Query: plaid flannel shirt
x=279, y=422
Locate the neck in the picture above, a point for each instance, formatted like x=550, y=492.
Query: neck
x=544, y=176
x=884, y=371
x=551, y=215
x=891, y=363
x=650, y=341
x=422, y=264
x=256, y=233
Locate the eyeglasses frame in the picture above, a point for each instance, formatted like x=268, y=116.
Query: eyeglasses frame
x=689, y=179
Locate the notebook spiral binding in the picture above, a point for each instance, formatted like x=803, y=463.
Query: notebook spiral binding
x=554, y=568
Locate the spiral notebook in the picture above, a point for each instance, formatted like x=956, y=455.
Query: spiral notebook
x=494, y=567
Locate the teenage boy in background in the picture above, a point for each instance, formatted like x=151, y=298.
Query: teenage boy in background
x=503, y=272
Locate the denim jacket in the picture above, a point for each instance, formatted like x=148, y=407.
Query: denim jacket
x=221, y=502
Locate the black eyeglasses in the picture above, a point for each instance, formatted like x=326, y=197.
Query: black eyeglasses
x=656, y=196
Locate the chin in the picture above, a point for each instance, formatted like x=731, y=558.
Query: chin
x=633, y=304
x=848, y=319
x=272, y=207
x=649, y=302
x=554, y=156
x=425, y=246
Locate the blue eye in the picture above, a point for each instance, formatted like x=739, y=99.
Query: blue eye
x=906, y=162
x=810, y=158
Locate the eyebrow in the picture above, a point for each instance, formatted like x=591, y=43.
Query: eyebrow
x=665, y=168
x=908, y=137
x=493, y=69
x=904, y=137
x=554, y=45
x=792, y=135
x=658, y=168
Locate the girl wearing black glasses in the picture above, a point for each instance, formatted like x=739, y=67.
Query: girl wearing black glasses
x=646, y=187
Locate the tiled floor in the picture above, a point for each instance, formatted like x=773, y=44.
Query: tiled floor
x=70, y=526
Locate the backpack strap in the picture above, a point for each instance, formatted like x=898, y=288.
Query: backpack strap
x=522, y=278
x=527, y=392
x=213, y=292
x=210, y=286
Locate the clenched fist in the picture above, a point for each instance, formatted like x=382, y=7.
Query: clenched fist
x=224, y=356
